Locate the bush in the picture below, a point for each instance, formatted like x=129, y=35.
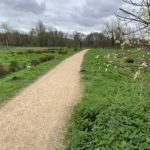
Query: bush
x=52, y=51
x=3, y=70
x=129, y=60
x=29, y=51
x=46, y=58
x=14, y=66
x=62, y=52
x=15, y=78
x=41, y=60
x=35, y=62
x=20, y=53
x=23, y=66
x=39, y=51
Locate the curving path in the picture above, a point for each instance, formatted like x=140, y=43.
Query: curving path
x=36, y=118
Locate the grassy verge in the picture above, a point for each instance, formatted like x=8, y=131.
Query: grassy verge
x=114, y=113
x=12, y=83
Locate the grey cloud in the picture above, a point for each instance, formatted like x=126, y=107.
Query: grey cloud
x=25, y=6
x=67, y=15
x=95, y=11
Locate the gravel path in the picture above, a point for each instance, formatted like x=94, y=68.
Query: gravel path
x=36, y=118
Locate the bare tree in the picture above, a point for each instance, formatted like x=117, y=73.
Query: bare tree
x=41, y=33
x=7, y=29
x=78, y=40
x=114, y=31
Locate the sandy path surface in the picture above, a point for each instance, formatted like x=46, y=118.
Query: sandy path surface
x=36, y=118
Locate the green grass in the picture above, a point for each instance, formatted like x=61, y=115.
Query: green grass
x=22, y=56
x=114, y=113
x=14, y=82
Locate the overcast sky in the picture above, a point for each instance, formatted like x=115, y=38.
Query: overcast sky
x=66, y=15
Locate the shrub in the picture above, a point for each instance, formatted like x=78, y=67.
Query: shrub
x=37, y=51
x=20, y=53
x=46, y=58
x=3, y=70
x=23, y=66
x=35, y=62
x=129, y=60
x=62, y=52
x=52, y=51
x=29, y=51
x=15, y=78
x=41, y=60
x=14, y=66
x=51, y=57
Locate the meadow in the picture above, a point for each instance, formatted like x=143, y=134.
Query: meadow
x=114, y=112
x=20, y=66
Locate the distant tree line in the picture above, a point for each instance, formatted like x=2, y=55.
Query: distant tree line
x=40, y=36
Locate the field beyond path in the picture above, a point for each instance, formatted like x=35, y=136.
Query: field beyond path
x=36, y=118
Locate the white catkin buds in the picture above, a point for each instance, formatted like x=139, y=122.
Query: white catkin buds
x=136, y=75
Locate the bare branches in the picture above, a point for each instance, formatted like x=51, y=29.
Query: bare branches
x=137, y=17
x=6, y=27
x=134, y=31
x=131, y=19
x=143, y=2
